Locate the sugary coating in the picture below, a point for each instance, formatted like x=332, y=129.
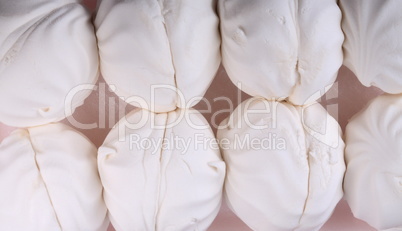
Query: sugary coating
x=47, y=48
x=373, y=180
x=282, y=49
x=164, y=173
x=49, y=181
x=146, y=43
x=284, y=164
x=373, y=45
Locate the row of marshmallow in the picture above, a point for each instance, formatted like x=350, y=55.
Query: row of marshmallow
x=283, y=169
x=297, y=62
x=50, y=179
x=158, y=51
x=295, y=179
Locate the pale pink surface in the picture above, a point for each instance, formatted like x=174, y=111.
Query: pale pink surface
x=350, y=98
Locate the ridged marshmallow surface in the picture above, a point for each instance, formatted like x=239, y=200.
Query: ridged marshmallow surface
x=49, y=181
x=47, y=48
x=145, y=43
x=152, y=182
x=282, y=49
x=373, y=45
x=373, y=181
x=285, y=165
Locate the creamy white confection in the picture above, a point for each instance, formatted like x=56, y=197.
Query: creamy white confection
x=153, y=181
x=282, y=49
x=47, y=48
x=285, y=164
x=143, y=44
x=49, y=181
x=373, y=45
x=373, y=181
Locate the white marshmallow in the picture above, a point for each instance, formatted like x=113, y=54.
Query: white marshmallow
x=46, y=49
x=373, y=45
x=282, y=49
x=49, y=181
x=373, y=181
x=145, y=43
x=288, y=173
x=163, y=186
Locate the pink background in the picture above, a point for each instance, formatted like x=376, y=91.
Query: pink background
x=351, y=97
